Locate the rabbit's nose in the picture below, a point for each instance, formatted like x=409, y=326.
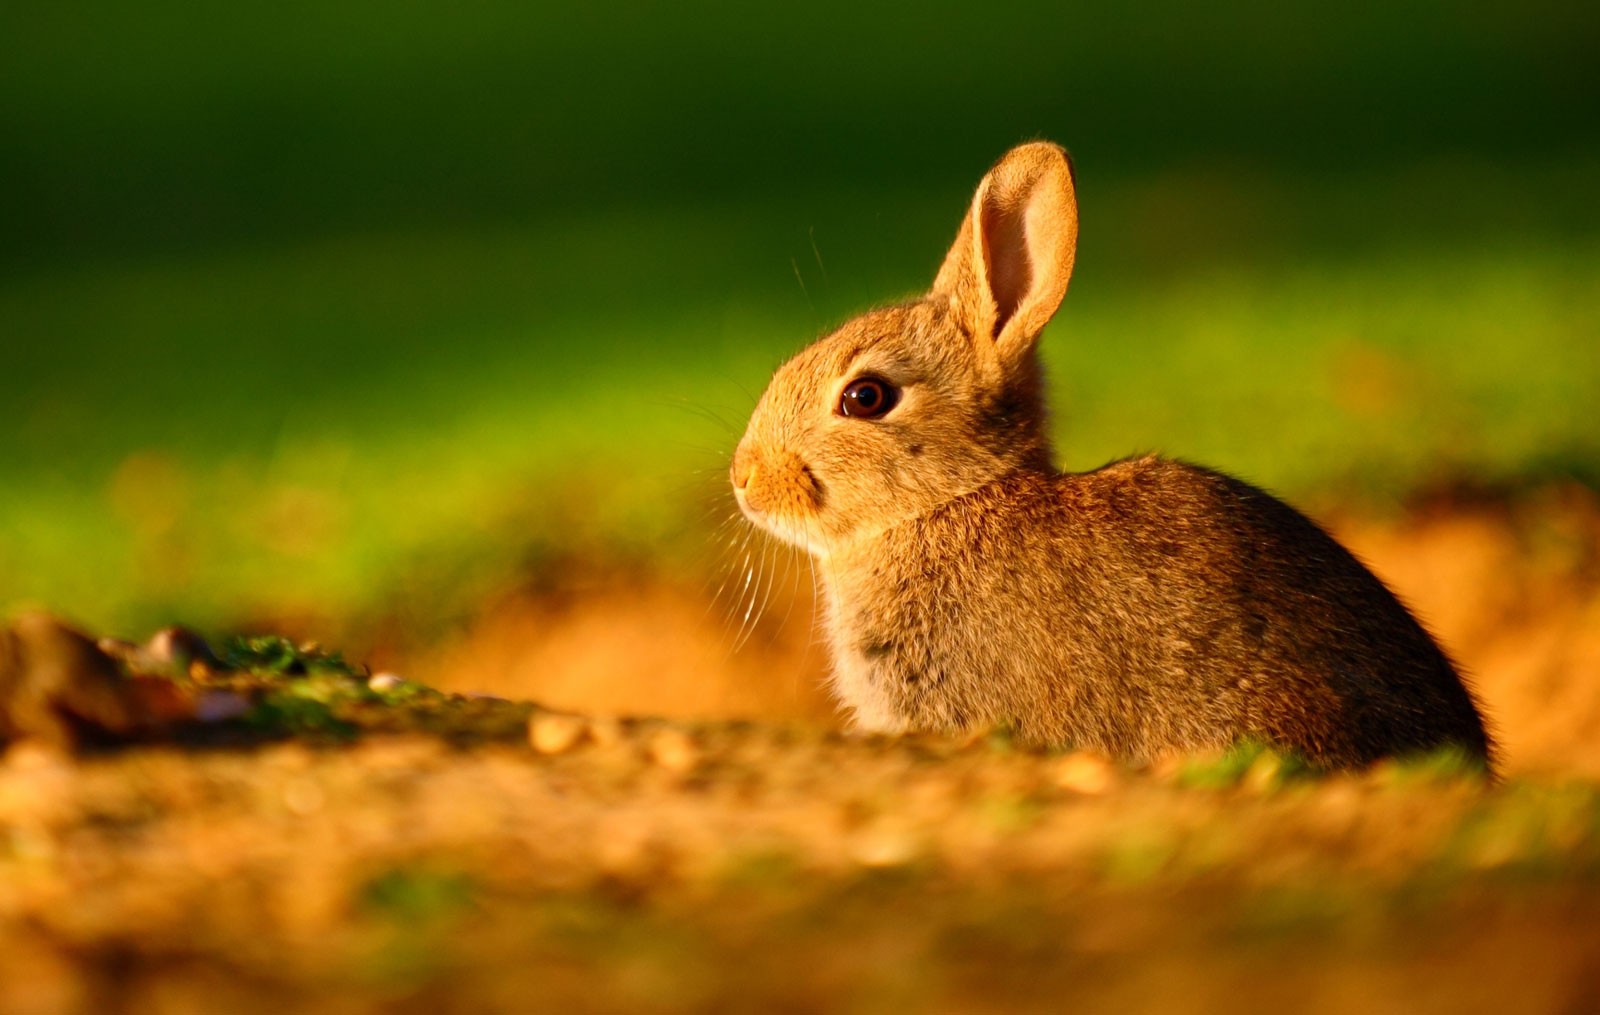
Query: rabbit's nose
x=744, y=467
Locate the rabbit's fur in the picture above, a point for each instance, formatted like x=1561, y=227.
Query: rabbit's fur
x=1147, y=607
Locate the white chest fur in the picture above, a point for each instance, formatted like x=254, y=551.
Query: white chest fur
x=858, y=683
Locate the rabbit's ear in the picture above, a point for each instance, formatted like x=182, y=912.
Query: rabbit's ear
x=1008, y=270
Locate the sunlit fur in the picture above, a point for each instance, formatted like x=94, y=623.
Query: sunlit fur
x=1147, y=607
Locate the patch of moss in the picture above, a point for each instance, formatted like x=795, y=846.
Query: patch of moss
x=419, y=894
x=1429, y=768
x=1138, y=856
x=1003, y=737
x=761, y=869
x=1529, y=832
x=1011, y=813
x=285, y=712
x=1286, y=914
x=272, y=654
x=300, y=690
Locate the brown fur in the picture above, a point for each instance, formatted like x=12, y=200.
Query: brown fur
x=1146, y=607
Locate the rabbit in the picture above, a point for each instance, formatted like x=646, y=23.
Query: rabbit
x=1147, y=609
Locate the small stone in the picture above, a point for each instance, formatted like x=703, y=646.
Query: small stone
x=606, y=731
x=169, y=651
x=555, y=733
x=1083, y=772
x=52, y=671
x=33, y=756
x=181, y=645
x=386, y=682
x=673, y=750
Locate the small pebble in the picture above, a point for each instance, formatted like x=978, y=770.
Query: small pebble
x=383, y=682
x=34, y=756
x=555, y=733
x=673, y=750
x=606, y=731
x=1083, y=772
x=178, y=645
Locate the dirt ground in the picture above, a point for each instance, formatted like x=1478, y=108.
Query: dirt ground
x=743, y=854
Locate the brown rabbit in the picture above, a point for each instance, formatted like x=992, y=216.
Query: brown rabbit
x=1147, y=607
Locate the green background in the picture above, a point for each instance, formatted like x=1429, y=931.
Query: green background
x=356, y=309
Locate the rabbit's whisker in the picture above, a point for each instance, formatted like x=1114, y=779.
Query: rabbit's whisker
x=752, y=613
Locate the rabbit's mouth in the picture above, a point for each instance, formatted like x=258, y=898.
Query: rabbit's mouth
x=780, y=493
x=794, y=531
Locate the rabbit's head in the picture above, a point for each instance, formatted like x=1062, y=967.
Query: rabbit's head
x=904, y=408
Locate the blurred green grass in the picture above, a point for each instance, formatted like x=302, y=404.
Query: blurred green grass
x=313, y=311
x=461, y=404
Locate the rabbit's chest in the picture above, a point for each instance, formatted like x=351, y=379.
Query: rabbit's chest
x=902, y=663
x=865, y=692
x=864, y=681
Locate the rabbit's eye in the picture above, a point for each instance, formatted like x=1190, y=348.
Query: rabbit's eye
x=867, y=398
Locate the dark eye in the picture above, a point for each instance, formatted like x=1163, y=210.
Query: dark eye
x=867, y=398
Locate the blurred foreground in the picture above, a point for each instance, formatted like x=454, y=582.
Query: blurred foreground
x=710, y=867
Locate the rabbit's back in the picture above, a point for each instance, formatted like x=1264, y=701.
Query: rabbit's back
x=1145, y=607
